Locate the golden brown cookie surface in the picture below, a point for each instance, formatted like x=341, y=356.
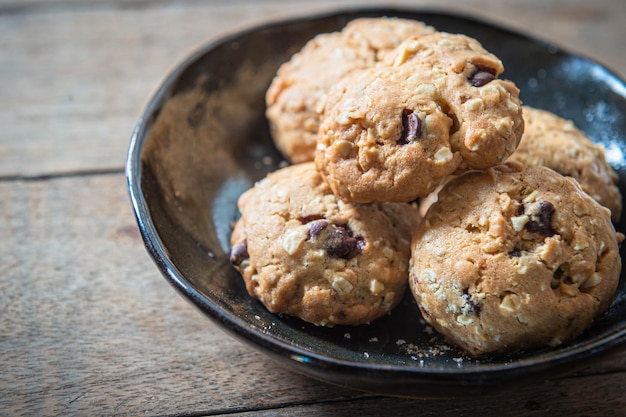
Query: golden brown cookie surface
x=297, y=93
x=509, y=260
x=556, y=143
x=303, y=252
x=434, y=107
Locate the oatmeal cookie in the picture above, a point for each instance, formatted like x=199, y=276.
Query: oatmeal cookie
x=433, y=107
x=303, y=252
x=297, y=93
x=556, y=143
x=509, y=260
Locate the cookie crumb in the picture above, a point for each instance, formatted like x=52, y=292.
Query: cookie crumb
x=431, y=350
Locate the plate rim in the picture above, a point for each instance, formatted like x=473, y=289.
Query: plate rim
x=486, y=374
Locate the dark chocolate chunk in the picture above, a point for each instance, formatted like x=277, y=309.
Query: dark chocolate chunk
x=558, y=274
x=481, y=77
x=515, y=252
x=411, y=127
x=341, y=243
x=316, y=228
x=239, y=253
x=471, y=305
x=309, y=218
x=541, y=222
x=339, y=240
x=557, y=278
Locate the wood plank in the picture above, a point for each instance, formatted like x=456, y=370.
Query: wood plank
x=88, y=325
x=547, y=399
x=75, y=79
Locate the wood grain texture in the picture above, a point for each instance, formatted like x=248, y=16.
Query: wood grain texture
x=89, y=327
x=76, y=75
x=88, y=324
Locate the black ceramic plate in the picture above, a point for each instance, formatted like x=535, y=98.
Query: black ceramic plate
x=203, y=140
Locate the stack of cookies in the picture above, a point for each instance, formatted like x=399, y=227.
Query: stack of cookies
x=501, y=256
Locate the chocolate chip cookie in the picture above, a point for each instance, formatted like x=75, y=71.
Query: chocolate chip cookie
x=434, y=106
x=556, y=143
x=297, y=93
x=508, y=260
x=303, y=252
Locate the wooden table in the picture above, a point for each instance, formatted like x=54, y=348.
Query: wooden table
x=87, y=324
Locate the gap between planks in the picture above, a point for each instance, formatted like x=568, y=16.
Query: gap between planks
x=57, y=175
x=12, y=7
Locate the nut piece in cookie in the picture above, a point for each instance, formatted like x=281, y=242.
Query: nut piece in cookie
x=433, y=107
x=304, y=253
x=297, y=93
x=509, y=260
x=556, y=143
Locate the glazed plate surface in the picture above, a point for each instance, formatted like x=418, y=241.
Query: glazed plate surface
x=203, y=139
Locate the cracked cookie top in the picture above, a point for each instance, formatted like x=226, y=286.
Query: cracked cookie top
x=434, y=106
x=297, y=93
x=508, y=260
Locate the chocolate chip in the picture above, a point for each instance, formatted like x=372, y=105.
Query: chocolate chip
x=239, y=253
x=319, y=223
x=557, y=278
x=309, y=218
x=471, y=306
x=515, y=252
x=341, y=242
x=481, y=77
x=541, y=222
x=411, y=127
x=558, y=274
x=316, y=228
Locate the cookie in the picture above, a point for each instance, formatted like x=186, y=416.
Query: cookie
x=556, y=143
x=296, y=94
x=433, y=107
x=304, y=253
x=507, y=260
